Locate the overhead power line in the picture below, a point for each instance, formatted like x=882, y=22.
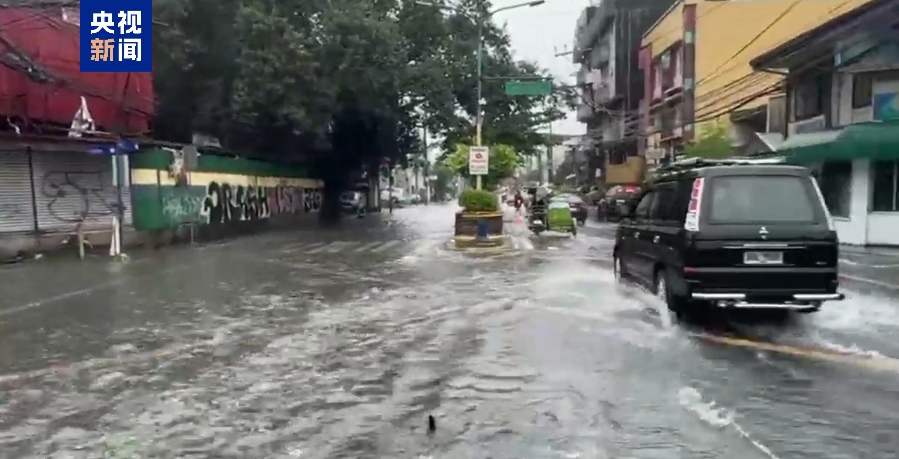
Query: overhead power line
x=712, y=110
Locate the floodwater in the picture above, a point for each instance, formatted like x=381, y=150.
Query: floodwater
x=341, y=344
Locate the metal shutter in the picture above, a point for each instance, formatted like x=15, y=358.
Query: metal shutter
x=70, y=185
x=16, y=210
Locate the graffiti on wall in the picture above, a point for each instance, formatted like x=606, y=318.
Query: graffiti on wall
x=77, y=196
x=11, y=211
x=179, y=208
x=225, y=203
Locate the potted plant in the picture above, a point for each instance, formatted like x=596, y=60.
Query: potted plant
x=482, y=206
x=479, y=208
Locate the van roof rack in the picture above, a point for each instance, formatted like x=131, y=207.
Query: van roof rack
x=695, y=163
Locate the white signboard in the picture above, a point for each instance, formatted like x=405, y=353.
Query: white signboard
x=478, y=160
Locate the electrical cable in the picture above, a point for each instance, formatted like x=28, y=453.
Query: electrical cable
x=702, y=115
x=712, y=76
x=748, y=79
x=754, y=39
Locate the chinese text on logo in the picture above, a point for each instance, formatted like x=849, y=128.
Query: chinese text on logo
x=115, y=36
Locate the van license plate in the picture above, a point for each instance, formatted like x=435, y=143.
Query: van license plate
x=763, y=258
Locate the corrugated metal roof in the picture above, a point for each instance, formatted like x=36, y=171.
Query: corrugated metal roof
x=123, y=101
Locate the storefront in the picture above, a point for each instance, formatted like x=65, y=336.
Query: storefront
x=858, y=171
x=56, y=189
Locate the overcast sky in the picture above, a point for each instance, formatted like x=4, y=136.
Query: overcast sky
x=538, y=34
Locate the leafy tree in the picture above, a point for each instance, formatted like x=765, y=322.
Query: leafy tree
x=445, y=183
x=502, y=163
x=341, y=85
x=713, y=142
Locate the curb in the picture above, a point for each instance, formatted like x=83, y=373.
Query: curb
x=470, y=244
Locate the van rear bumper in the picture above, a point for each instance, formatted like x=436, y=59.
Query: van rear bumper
x=800, y=301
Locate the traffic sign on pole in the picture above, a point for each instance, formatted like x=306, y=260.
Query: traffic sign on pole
x=478, y=160
x=543, y=87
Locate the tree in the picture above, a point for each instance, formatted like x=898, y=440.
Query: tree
x=341, y=85
x=445, y=183
x=713, y=142
x=503, y=161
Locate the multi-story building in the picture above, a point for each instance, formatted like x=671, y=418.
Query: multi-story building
x=842, y=116
x=610, y=84
x=695, y=64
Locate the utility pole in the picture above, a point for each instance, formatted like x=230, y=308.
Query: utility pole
x=549, y=155
x=480, y=63
x=540, y=168
x=481, y=19
x=424, y=143
x=390, y=187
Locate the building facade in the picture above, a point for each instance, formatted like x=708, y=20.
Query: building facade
x=842, y=111
x=611, y=85
x=696, y=63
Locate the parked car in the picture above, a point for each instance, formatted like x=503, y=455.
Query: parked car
x=399, y=197
x=734, y=234
x=352, y=201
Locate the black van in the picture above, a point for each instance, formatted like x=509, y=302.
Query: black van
x=737, y=234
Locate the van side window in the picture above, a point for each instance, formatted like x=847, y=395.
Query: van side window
x=662, y=206
x=682, y=200
x=645, y=205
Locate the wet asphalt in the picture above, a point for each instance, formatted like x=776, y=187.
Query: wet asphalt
x=340, y=344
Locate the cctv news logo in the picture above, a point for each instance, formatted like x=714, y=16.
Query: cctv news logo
x=116, y=36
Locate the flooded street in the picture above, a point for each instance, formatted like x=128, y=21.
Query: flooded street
x=341, y=344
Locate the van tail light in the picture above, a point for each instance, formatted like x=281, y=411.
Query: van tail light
x=691, y=223
x=830, y=225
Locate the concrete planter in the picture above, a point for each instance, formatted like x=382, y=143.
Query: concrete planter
x=467, y=223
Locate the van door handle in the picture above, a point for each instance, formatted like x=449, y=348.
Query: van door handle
x=655, y=239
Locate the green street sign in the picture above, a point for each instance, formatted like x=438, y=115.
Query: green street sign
x=529, y=87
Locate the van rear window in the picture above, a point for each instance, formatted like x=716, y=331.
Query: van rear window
x=762, y=199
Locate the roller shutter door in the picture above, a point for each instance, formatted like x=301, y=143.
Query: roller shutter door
x=71, y=185
x=16, y=209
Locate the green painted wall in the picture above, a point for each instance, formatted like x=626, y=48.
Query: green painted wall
x=219, y=191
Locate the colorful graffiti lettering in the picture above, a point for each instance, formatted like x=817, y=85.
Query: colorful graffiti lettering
x=225, y=203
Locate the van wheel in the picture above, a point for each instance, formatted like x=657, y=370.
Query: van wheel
x=663, y=292
x=618, y=269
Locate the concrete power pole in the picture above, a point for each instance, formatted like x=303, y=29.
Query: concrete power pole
x=539, y=167
x=549, y=156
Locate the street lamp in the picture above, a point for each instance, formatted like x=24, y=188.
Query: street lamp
x=479, y=119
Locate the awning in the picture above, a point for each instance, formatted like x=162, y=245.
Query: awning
x=871, y=140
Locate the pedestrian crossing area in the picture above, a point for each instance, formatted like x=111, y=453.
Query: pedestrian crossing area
x=360, y=247
x=517, y=243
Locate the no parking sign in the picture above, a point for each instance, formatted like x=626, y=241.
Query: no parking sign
x=478, y=160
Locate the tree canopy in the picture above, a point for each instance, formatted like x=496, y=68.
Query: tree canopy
x=713, y=142
x=341, y=84
x=503, y=161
